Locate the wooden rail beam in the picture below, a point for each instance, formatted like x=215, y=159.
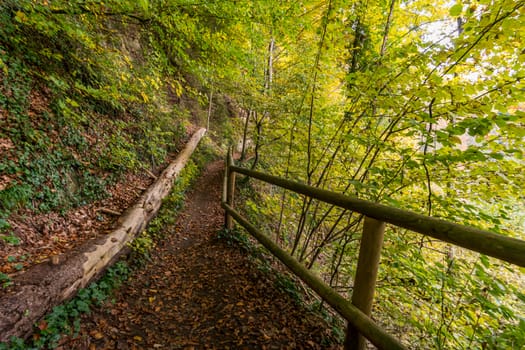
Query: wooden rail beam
x=352, y=314
x=502, y=247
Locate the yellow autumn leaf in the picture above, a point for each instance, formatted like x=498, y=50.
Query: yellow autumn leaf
x=97, y=335
x=3, y=66
x=178, y=88
x=455, y=139
x=21, y=17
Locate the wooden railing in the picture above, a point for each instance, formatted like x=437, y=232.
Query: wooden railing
x=357, y=311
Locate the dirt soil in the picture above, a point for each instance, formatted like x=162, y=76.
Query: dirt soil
x=199, y=292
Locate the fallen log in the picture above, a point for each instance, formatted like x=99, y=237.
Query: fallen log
x=35, y=292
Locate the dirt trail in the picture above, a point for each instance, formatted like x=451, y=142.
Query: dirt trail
x=199, y=292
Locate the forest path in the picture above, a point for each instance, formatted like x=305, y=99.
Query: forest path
x=200, y=292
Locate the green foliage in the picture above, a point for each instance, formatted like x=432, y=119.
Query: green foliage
x=388, y=101
x=5, y=280
x=65, y=319
x=12, y=239
x=288, y=285
x=174, y=202
x=82, y=93
x=141, y=247
x=338, y=327
x=406, y=110
x=236, y=237
x=119, y=154
x=17, y=262
x=4, y=225
x=458, y=301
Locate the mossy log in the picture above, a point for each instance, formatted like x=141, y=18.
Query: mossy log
x=35, y=292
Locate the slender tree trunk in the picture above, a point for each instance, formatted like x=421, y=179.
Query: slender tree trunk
x=287, y=171
x=309, y=172
x=330, y=237
x=387, y=28
x=302, y=221
x=245, y=134
x=267, y=88
x=210, y=98
x=269, y=71
x=356, y=48
x=258, y=130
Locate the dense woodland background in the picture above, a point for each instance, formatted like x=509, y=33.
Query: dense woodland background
x=414, y=104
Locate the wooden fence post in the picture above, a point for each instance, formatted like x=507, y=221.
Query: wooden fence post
x=365, y=277
x=230, y=187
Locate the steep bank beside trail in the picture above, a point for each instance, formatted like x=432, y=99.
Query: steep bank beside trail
x=40, y=288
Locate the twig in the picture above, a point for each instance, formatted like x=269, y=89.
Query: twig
x=155, y=177
x=109, y=211
x=427, y=173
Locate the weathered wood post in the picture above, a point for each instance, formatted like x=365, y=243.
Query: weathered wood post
x=230, y=189
x=365, y=277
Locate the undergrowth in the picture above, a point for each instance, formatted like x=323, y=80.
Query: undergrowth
x=69, y=125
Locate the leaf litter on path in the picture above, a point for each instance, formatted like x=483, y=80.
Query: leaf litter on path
x=199, y=292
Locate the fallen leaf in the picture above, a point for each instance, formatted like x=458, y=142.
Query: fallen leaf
x=96, y=334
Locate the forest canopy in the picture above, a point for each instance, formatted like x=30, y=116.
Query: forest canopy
x=415, y=104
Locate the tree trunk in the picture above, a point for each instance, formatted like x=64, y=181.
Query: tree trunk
x=269, y=73
x=210, y=98
x=35, y=292
x=245, y=134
